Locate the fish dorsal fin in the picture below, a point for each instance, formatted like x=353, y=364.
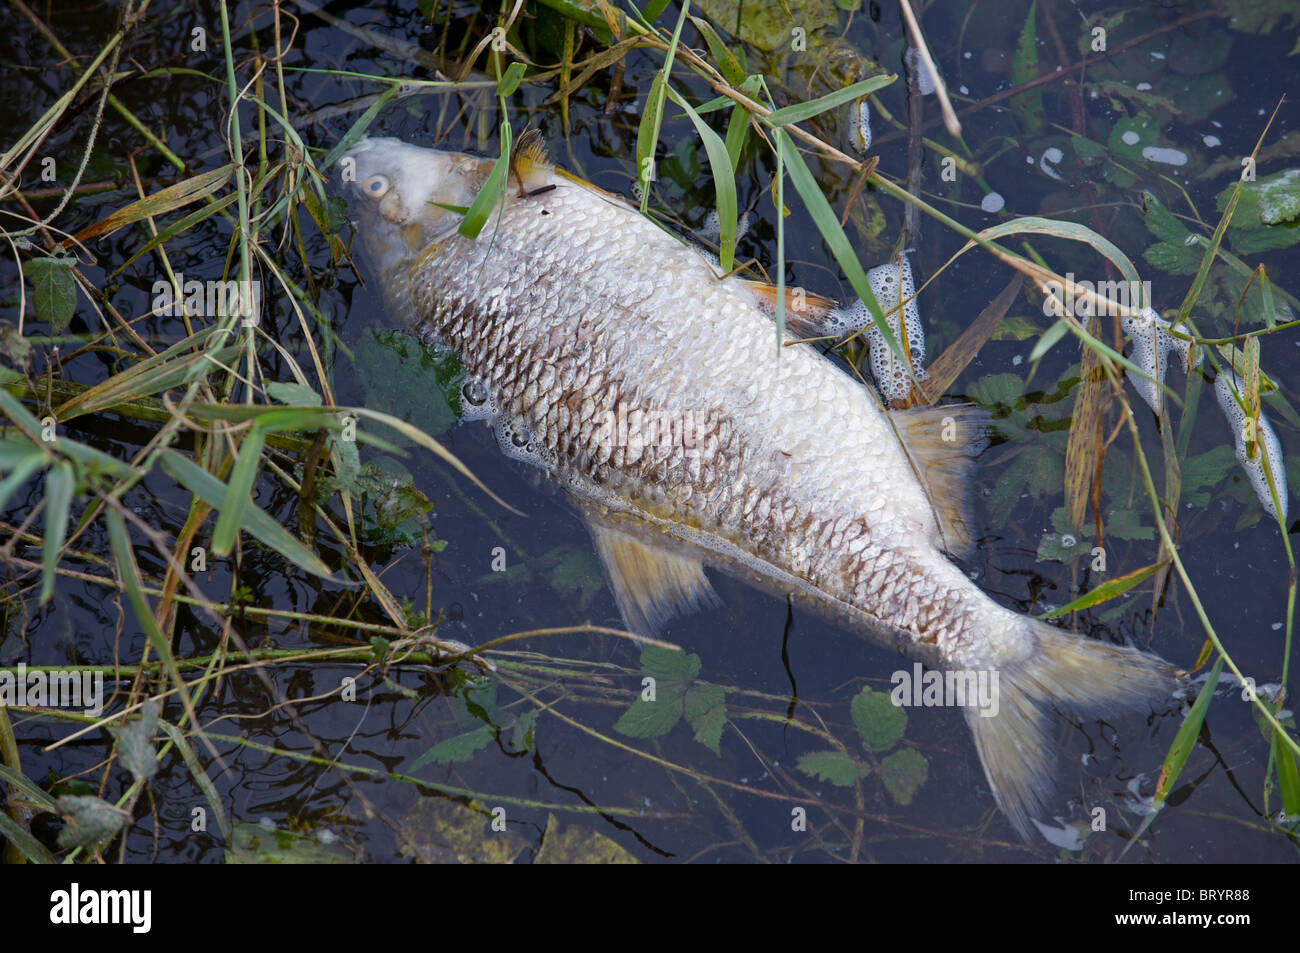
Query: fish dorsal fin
x=806, y=314
x=528, y=162
x=942, y=443
x=652, y=579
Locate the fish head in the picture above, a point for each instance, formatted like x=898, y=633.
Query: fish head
x=398, y=192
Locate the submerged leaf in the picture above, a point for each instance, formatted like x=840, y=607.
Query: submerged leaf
x=54, y=290
x=833, y=766
x=879, y=721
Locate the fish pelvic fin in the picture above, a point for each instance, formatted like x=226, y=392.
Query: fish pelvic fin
x=652, y=582
x=942, y=443
x=1074, y=675
x=806, y=314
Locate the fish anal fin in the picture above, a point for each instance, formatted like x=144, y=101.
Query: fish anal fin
x=943, y=443
x=653, y=580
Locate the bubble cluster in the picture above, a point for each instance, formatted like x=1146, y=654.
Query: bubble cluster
x=860, y=126
x=892, y=283
x=1152, y=340
x=1268, y=450
x=915, y=68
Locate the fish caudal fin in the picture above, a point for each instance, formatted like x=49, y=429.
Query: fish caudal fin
x=1077, y=676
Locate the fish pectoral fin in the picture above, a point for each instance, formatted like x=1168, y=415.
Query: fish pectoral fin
x=651, y=583
x=942, y=443
x=807, y=315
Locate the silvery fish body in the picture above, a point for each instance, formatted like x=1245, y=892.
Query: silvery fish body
x=612, y=355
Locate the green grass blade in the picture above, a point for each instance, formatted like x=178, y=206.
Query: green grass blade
x=1179, y=751
x=723, y=183
x=801, y=111
x=21, y=838
x=59, y=484
x=652, y=116
x=493, y=192
x=829, y=226
x=1106, y=591
x=256, y=522
x=20, y=474
x=26, y=790
x=200, y=776
x=239, y=492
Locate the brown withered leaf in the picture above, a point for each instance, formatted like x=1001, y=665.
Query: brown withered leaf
x=948, y=366
x=1084, y=451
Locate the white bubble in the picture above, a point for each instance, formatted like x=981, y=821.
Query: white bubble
x=1051, y=158
x=1210, y=141
x=993, y=202
x=1130, y=138
x=1166, y=156
x=1143, y=86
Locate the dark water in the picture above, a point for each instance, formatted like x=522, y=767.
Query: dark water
x=736, y=805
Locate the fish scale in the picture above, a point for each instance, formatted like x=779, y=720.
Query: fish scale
x=571, y=308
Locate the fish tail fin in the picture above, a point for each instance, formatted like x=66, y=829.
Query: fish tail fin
x=1074, y=675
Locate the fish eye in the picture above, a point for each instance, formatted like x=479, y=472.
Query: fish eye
x=376, y=186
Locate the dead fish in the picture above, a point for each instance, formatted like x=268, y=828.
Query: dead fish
x=610, y=354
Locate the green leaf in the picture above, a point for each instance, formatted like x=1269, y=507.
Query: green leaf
x=27, y=845
x=651, y=719
x=833, y=766
x=511, y=79
x=706, y=710
x=456, y=750
x=1050, y=337
x=199, y=775
x=1287, y=779
x=291, y=392
x=669, y=667
x=904, y=772
x=828, y=224
x=55, y=290
x=1028, y=106
x=60, y=482
x=1176, y=259
x=879, y=721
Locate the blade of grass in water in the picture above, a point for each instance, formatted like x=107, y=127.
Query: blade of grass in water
x=723, y=182
x=60, y=481
x=652, y=116
x=255, y=521
x=1179, y=751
